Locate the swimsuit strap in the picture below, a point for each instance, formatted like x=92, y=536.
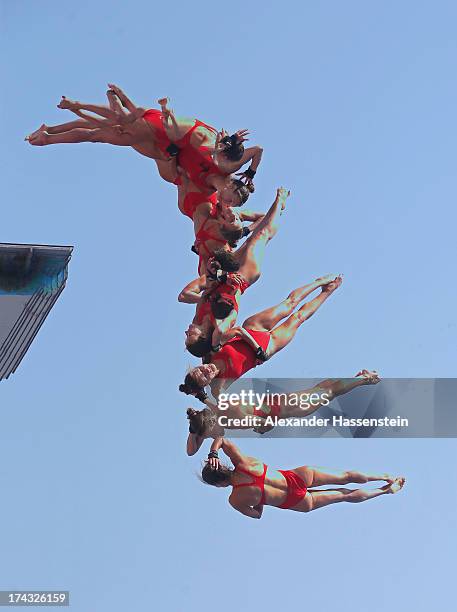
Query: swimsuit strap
x=203, y=310
x=185, y=140
x=203, y=235
x=205, y=125
x=258, y=481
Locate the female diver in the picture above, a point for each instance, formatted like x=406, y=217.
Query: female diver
x=255, y=485
x=260, y=337
x=206, y=423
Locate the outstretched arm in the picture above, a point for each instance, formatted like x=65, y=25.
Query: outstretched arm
x=232, y=451
x=253, y=226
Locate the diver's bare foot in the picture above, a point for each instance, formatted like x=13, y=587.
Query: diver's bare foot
x=112, y=96
x=333, y=285
x=39, y=139
x=397, y=485
x=328, y=278
x=163, y=102
x=36, y=133
x=119, y=93
x=117, y=90
x=116, y=106
x=68, y=104
x=166, y=111
x=371, y=376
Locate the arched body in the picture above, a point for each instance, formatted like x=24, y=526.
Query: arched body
x=213, y=421
x=207, y=156
x=260, y=337
x=255, y=484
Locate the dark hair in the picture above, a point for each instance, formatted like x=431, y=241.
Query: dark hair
x=233, y=149
x=244, y=191
x=226, y=260
x=221, y=308
x=200, y=420
x=200, y=347
x=215, y=477
x=233, y=235
x=190, y=387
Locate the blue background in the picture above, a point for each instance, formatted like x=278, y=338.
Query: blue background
x=354, y=104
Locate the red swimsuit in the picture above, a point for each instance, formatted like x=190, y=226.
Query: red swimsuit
x=229, y=292
x=202, y=237
x=204, y=306
x=257, y=481
x=197, y=162
x=155, y=119
x=296, y=487
x=238, y=357
x=193, y=199
x=204, y=310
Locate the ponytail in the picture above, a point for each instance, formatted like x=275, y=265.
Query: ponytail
x=190, y=387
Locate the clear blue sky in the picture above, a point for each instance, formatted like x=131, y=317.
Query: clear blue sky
x=354, y=103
